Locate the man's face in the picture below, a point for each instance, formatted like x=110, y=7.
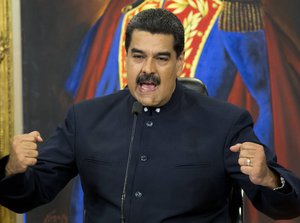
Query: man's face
x=152, y=67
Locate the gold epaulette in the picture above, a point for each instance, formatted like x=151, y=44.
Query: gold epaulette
x=241, y=16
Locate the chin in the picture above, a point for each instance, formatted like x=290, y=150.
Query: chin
x=147, y=102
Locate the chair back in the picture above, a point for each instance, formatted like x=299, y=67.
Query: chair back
x=194, y=84
x=236, y=193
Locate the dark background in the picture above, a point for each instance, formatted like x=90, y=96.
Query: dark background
x=51, y=34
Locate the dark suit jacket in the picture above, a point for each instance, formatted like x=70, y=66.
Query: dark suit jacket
x=181, y=168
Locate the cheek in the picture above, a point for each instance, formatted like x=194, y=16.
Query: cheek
x=130, y=71
x=169, y=74
x=169, y=82
x=131, y=80
x=132, y=68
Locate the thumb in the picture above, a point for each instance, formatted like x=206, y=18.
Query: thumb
x=36, y=135
x=236, y=148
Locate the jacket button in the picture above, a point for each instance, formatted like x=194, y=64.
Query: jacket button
x=138, y=194
x=144, y=158
x=149, y=124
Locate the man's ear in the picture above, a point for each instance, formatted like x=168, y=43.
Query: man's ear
x=126, y=58
x=180, y=64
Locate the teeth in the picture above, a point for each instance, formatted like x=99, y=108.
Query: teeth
x=148, y=84
x=148, y=87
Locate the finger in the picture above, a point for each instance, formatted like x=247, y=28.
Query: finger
x=31, y=154
x=235, y=148
x=246, y=170
x=24, y=138
x=250, y=146
x=245, y=162
x=36, y=135
x=30, y=161
x=247, y=153
x=28, y=146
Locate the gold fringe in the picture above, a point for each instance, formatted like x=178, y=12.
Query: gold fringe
x=241, y=16
x=6, y=91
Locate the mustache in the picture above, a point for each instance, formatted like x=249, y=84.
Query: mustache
x=148, y=78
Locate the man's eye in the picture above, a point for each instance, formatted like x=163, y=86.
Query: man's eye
x=163, y=58
x=138, y=56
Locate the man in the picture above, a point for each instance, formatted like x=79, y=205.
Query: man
x=223, y=40
x=155, y=152
x=229, y=40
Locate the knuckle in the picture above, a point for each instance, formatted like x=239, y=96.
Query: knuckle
x=17, y=137
x=34, y=134
x=34, y=146
x=15, y=144
x=246, y=145
x=33, y=161
x=21, y=159
x=242, y=153
x=30, y=138
x=23, y=168
x=240, y=161
x=243, y=170
x=32, y=153
x=31, y=145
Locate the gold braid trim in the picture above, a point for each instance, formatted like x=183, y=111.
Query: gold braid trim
x=241, y=16
x=6, y=91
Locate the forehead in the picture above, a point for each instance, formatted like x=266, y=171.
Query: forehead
x=146, y=41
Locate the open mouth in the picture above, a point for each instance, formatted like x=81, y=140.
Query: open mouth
x=148, y=82
x=148, y=86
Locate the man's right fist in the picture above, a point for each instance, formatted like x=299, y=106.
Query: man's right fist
x=23, y=153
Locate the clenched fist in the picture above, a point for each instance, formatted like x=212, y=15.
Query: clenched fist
x=23, y=153
x=252, y=161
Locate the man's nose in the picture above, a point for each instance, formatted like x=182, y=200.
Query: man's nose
x=148, y=66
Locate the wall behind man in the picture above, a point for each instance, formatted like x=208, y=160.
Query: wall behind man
x=51, y=34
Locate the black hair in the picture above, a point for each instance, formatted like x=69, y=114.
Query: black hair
x=157, y=21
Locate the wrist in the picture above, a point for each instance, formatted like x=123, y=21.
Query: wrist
x=273, y=180
x=8, y=172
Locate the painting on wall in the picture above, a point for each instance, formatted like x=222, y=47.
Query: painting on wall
x=51, y=34
x=71, y=52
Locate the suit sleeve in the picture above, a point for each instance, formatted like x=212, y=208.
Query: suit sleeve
x=276, y=204
x=41, y=183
